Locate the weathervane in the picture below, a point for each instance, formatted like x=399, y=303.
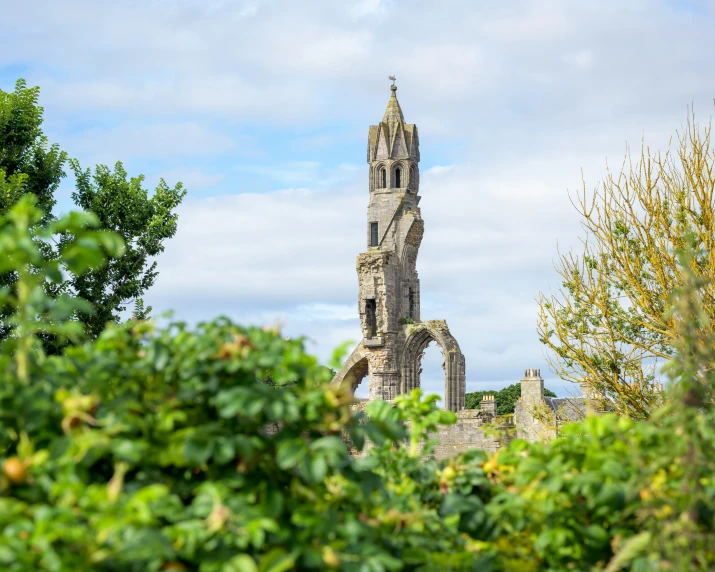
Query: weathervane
x=393, y=78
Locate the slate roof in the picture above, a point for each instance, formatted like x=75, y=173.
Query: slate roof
x=572, y=407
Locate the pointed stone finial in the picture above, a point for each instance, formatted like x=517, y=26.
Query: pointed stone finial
x=393, y=113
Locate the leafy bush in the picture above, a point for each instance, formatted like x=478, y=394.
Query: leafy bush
x=164, y=449
x=154, y=449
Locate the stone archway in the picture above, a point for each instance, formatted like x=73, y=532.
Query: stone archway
x=354, y=370
x=419, y=337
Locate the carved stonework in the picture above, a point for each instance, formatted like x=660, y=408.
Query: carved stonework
x=394, y=337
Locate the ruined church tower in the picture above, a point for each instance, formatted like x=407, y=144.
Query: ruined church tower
x=393, y=336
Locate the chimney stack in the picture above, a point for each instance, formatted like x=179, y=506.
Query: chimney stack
x=489, y=404
x=532, y=386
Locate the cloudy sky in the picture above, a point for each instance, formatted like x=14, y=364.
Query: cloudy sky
x=261, y=108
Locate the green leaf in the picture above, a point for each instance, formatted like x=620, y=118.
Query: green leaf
x=314, y=468
x=277, y=560
x=330, y=444
x=240, y=563
x=633, y=548
x=367, y=463
x=454, y=504
x=224, y=451
x=129, y=450
x=289, y=453
x=198, y=448
x=357, y=436
x=161, y=356
x=379, y=410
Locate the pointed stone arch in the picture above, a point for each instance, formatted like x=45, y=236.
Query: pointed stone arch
x=354, y=370
x=414, y=181
x=380, y=174
x=419, y=337
x=399, y=175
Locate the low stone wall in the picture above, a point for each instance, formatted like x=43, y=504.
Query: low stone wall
x=467, y=433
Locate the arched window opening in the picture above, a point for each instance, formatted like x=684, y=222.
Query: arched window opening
x=431, y=378
x=356, y=376
x=419, y=360
x=362, y=390
x=383, y=178
x=398, y=176
x=371, y=317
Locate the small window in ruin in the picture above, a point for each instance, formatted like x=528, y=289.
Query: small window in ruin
x=413, y=177
x=373, y=234
x=398, y=177
x=411, y=299
x=383, y=178
x=371, y=317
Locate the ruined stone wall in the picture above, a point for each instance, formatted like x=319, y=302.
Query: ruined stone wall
x=467, y=433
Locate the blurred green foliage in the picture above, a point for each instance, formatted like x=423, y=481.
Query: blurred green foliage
x=163, y=449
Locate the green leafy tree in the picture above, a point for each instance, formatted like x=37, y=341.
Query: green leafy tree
x=28, y=164
x=144, y=222
x=506, y=398
x=25, y=150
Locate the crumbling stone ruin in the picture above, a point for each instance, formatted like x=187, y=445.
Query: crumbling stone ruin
x=394, y=337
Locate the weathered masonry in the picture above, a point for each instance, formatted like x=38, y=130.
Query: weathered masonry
x=394, y=337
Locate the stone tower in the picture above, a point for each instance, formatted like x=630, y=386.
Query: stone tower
x=393, y=336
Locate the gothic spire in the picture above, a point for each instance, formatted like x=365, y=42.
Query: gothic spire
x=393, y=113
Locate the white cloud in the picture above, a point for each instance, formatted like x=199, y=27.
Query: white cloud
x=467, y=67
x=220, y=94
x=305, y=173
x=368, y=8
x=581, y=59
x=456, y=68
x=293, y=172
x=292, y=246
x=148, y=141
